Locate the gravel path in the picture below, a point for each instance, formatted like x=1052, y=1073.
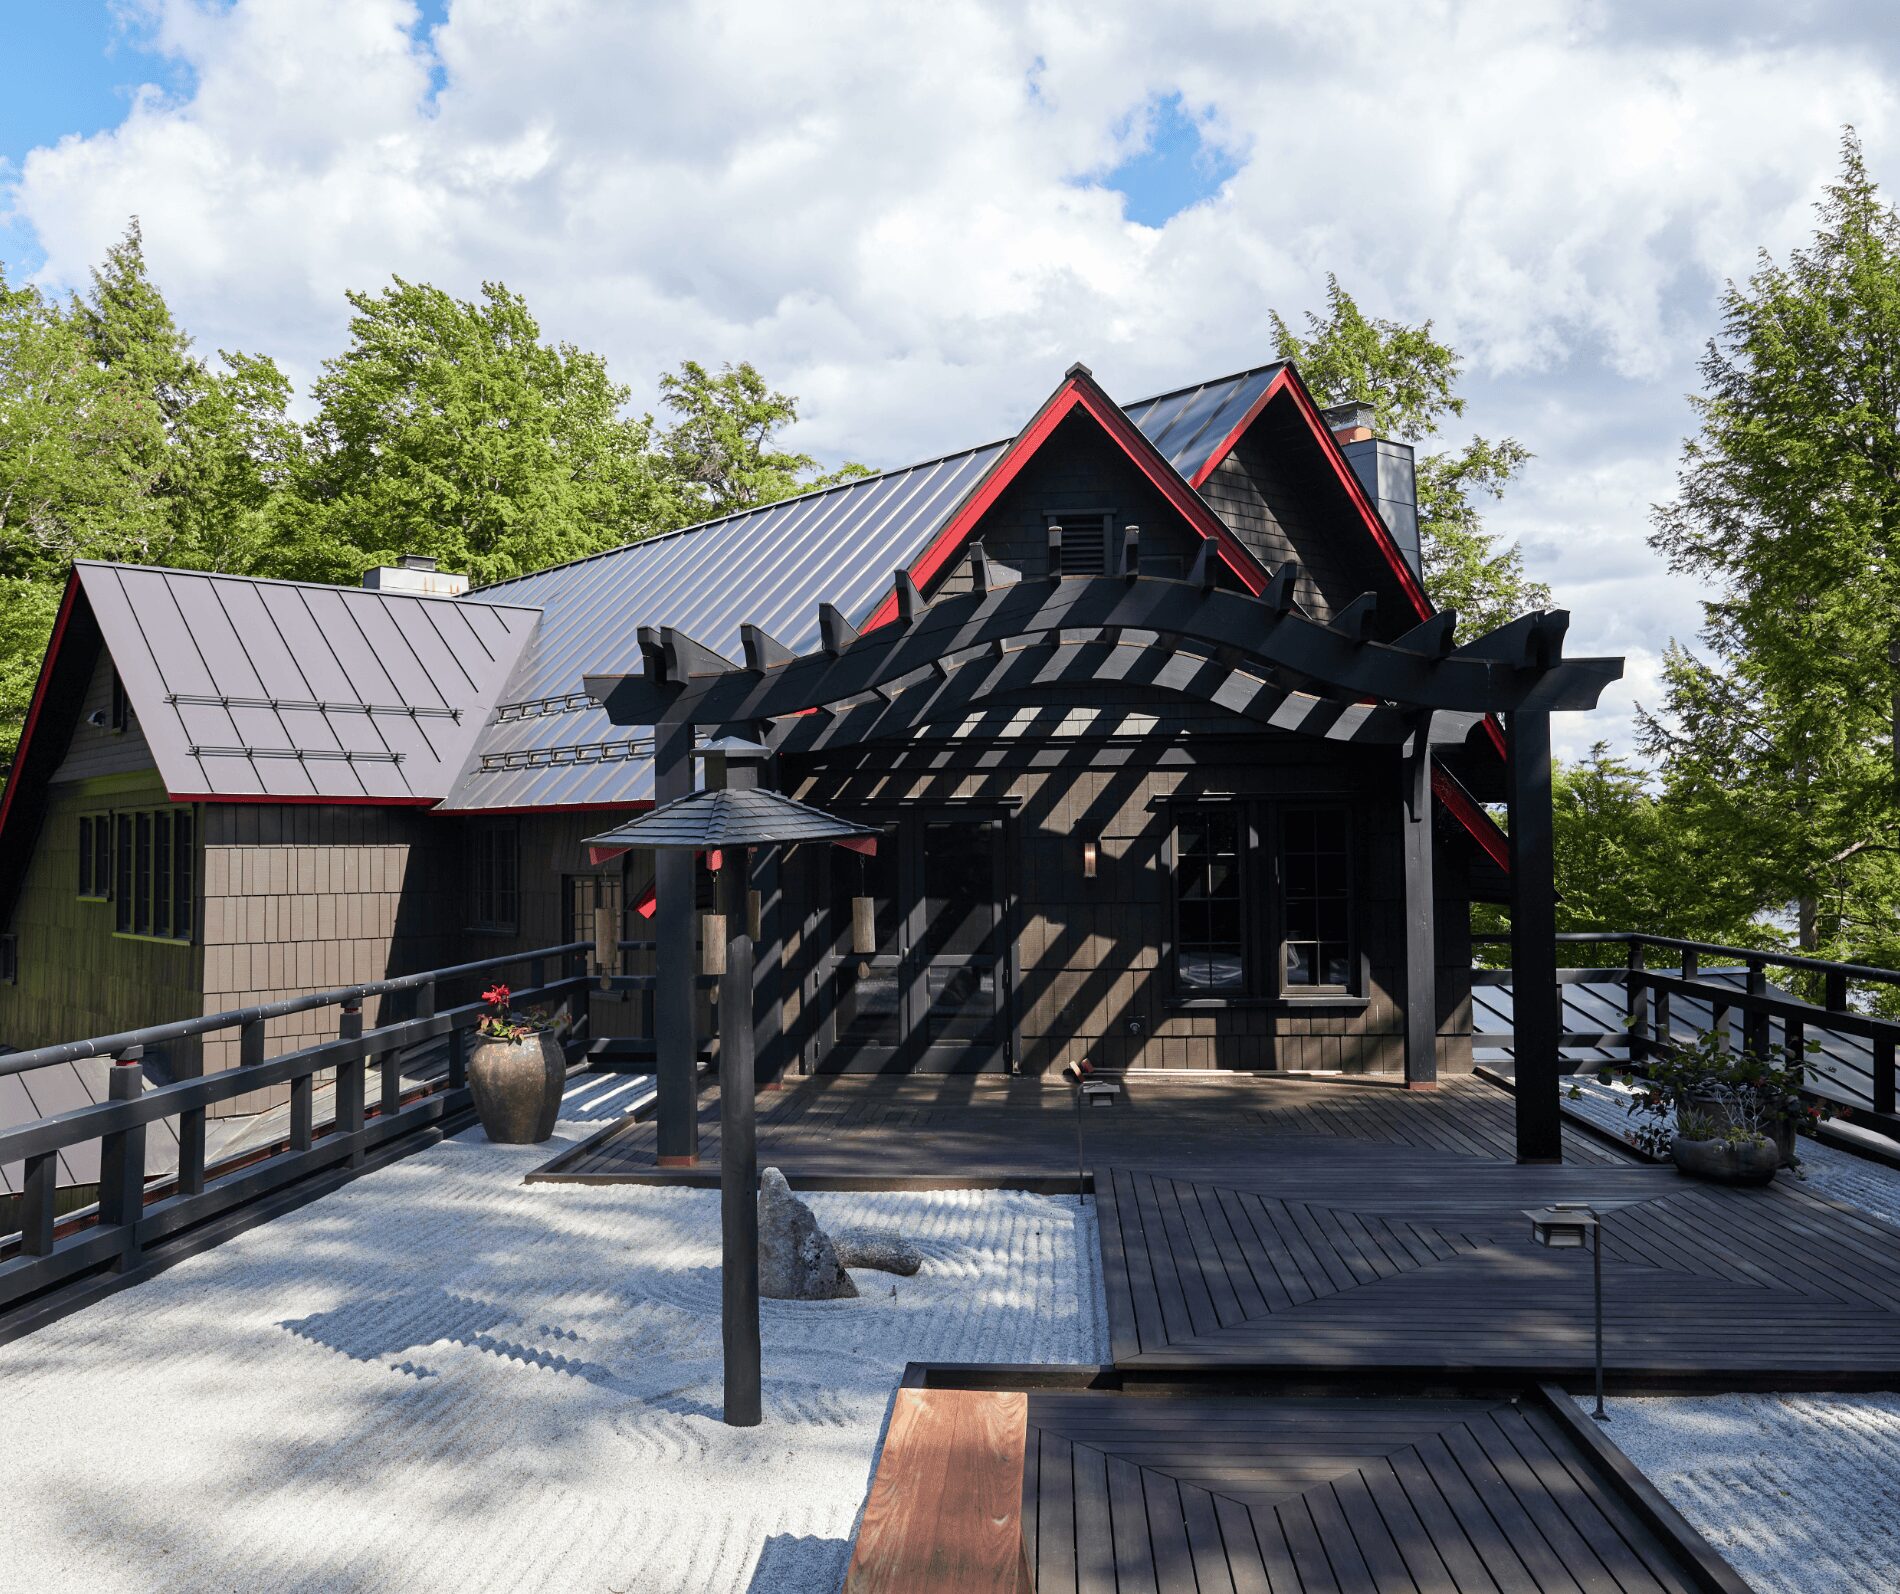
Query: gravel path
x=439, y=1377
x=1800, y=1492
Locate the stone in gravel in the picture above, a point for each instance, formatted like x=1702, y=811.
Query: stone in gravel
x=883, y=1249
x=797, y=1261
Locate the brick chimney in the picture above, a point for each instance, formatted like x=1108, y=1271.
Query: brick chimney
x=1387, y=472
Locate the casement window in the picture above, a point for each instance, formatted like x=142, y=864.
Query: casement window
x=494, y=879
x=95, y=857
x=1263, y=901
x=120, y=718
x=146, y=863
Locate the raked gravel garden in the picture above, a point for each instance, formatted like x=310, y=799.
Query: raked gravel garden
x=441, y=1378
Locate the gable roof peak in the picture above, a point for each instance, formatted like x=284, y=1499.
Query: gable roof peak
x=1079, y=369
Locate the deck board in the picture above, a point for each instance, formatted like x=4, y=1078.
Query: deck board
x=1258, y=1494
x=1279, y=1226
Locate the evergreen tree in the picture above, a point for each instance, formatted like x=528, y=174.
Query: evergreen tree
x=1410, y=379
x=1777, y=735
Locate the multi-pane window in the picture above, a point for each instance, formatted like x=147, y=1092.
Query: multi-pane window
x=1210, y=943
x=145, y=864
x=1316, y=897
x=494, y=879
x=1263, y=897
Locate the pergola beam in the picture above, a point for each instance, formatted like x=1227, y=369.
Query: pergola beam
x=1472, y=679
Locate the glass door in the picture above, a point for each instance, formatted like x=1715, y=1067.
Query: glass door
x=929, y=995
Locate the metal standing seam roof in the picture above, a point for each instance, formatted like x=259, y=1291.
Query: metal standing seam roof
x=248, y=687
x=546, y=744
x=710, y=820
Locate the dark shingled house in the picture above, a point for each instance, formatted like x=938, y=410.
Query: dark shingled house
x=232, y=789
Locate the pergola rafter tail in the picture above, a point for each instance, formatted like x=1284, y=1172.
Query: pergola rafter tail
x=1518, y=668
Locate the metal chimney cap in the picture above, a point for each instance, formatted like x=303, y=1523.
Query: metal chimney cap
x=416, y=561
x=1349, y=417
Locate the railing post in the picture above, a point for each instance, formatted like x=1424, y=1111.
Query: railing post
x=537, y=973
x=1691, y=963
x=1834, y=991
x=1883, y=1074
x=425, y=999
x=349, y=1079
x=38, y=1198
x=1794, y=1037
x=1755, y=1021
x=458, y=1058
x=1636, y=1002
x=1664, y=1038
x=122, y=1162
x=389, y=1067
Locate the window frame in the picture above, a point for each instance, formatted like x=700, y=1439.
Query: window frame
x=152, y=866
x=485, y=888
x=1264, y=980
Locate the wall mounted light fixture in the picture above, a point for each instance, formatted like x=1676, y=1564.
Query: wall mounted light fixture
x=1089, y=855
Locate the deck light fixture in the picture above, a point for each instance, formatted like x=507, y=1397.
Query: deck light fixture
x=1570, y=1226
x=1089, y=854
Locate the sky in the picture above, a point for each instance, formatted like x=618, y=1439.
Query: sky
x=915, y=217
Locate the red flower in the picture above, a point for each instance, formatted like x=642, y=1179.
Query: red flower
x=496, y=995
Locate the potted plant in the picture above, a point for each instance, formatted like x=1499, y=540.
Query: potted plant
x=1717, y=1114
x=515, y=1073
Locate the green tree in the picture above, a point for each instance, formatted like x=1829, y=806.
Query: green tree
x=718, y=457
x=450, y=428
x=222, y=442
x=76, y=480
x=1776, y=735
x=1410, y=379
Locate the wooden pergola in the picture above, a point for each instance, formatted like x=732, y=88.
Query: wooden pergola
x=1262, y=659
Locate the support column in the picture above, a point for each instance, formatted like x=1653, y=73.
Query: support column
x=738, y=1154
x=1421, y=919
x=751, y=769
x=674, y=967
x=1537, y=1014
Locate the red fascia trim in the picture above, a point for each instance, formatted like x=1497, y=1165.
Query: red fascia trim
x=39, y=695
x=1348, y=479
x=1074, y=394
x=272, y=797
x=1459, y=803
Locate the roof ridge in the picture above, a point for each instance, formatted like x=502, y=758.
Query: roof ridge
x=1210, y=381
x=301, y=586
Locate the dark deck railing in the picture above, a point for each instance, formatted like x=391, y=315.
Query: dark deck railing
x=1856, y=1070
x=132, y=1216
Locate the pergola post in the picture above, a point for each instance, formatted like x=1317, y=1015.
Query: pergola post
x=674, y=996
x=747, y=769
x=1421, y=924
x=738, y=1152
x=1537, y=1014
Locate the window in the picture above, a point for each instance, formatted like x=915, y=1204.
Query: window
x=149, y=862
x=1263, y=901
x=1085, y=547
x=95, y=856
x=9, y=960
x=494, y=880
x=121, y=718
x=1210, y=949
x=1316, y=897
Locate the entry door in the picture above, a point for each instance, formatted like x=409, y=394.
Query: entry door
x=930, y=997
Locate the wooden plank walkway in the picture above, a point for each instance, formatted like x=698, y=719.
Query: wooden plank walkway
x=1184, y=1494
x=1401, y=1265
x=944, y=1130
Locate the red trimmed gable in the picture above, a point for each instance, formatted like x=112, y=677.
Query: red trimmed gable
x=1079, y=395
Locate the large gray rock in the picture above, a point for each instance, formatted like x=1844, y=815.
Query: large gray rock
x=883, y=1249
x=797, y=1262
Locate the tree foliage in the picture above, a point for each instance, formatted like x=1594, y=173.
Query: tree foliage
x=446, y=427
x=1410, y=379
x=1776, y=734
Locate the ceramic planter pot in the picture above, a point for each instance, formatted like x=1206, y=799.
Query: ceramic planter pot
x=517, y=1087
x=1726, y=1161
x=1782, y=1134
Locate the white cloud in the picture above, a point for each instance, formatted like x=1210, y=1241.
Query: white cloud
x=889, y=208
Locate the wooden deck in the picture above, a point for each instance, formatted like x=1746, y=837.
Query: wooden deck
x=946, y=1129
x=1283, y=1227
x=1378, y=1496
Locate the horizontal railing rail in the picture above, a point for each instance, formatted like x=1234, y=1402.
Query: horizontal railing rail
x=135, y=1213
x=1857, y=1078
